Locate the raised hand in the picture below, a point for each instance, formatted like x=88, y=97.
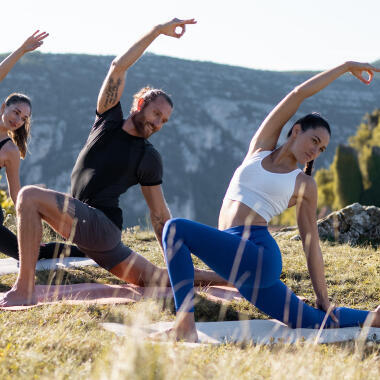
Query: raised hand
x=358, y=69
x=169, y=28
x=34, y=41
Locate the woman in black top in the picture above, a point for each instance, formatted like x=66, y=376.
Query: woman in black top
x=15, y=113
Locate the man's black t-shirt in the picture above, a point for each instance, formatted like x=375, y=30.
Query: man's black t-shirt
x=111, y=162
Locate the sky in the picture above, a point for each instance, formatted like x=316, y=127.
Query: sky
x=266, y=34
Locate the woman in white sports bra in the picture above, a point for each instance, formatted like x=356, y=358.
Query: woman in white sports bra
x=244, y=253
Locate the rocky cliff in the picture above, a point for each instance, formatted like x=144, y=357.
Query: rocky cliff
x=217, y=110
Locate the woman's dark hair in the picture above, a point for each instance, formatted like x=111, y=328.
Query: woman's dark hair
x=311, y=121
x=149, y=94
x=21, y=135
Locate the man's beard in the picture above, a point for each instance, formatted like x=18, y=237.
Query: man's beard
x=139, y=123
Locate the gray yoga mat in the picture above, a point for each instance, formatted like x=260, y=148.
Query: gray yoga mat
x=257, y=331
x=11, y=265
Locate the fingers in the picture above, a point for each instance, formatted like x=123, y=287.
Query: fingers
x=330, y=312
x=370, y=76
x=183, y=22
x=359, y=75
x=41, y=36
x=373, y=68
x=359, y=71
x=333, y=317
x=183, y=29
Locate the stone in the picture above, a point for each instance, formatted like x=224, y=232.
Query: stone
x=354, y=225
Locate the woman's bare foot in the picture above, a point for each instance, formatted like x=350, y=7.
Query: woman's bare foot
x=175, y=334
x=376, y=320
x=184, y=329
x=15, y=297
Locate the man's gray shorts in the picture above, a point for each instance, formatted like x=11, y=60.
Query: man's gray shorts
x=95, y=234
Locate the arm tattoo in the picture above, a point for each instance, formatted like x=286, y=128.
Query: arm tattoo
x=111, y=91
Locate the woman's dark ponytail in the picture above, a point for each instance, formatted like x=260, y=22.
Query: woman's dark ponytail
x=308, y=169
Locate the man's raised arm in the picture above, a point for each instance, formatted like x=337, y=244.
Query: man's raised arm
x=113, y=85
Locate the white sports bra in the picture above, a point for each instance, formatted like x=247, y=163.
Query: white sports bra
x=267, y=193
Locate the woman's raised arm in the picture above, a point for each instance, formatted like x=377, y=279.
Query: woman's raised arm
x=31, y=43
x=267, y=135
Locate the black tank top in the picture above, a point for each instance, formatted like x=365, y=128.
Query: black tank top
x=2, y=143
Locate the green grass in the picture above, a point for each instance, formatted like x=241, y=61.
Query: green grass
x=64, y=341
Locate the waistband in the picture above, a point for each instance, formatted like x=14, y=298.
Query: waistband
x=250, y=231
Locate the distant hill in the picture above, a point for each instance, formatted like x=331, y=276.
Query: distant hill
x=217, y=110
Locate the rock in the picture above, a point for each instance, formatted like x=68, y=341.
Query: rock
x=355, y=225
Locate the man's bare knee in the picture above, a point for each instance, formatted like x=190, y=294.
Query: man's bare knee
x=28, y=198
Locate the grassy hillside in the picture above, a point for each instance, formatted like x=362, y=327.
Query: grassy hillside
x=62, y=341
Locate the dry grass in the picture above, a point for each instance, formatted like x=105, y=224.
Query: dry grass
x=62, y=341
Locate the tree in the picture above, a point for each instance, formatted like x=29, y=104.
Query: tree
x=371, y=196
x=348, y=181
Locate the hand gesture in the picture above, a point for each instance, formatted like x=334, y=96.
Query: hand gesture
x=357, y=69
x=169, y=29
x=34, y=41
x=327, y=307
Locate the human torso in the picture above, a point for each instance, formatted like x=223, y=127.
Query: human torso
x=111, y=162
x=255, y=194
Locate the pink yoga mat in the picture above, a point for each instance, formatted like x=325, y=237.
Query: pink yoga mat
x=93, y=293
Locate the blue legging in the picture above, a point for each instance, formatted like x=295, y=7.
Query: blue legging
x=248, y=257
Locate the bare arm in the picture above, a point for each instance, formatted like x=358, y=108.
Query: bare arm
x=307, y=225
x=31, y=43
x=267, y=135
x=12, y=167
x=113, y=85
x=159, y=211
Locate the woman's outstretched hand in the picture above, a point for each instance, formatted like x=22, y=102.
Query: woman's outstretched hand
x=327, y=307
x=34, y=41
x=169, y=28
x=358, y=69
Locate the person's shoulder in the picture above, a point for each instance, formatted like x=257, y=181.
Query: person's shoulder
x=306, y=184
x=151, y=151
x=116, y=109
x=114, y=113
x=109, y=119
x=10, y=153
x=11, y=149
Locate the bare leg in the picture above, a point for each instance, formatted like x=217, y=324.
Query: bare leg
x=139, y=271
x=33, y=205
x=207, y=277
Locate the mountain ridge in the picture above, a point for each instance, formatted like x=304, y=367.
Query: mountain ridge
x=217, y=109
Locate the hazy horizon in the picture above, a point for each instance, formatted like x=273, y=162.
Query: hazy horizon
x=272, y=35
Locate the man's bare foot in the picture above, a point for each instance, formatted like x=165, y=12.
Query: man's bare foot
x=174, y=334
x=16, y=298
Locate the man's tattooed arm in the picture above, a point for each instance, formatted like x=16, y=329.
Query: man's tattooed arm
x=158, y=223
x=111, y=92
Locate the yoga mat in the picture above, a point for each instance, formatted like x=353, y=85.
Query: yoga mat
x=93, y=293
x=11, y=265
x=257, y=331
